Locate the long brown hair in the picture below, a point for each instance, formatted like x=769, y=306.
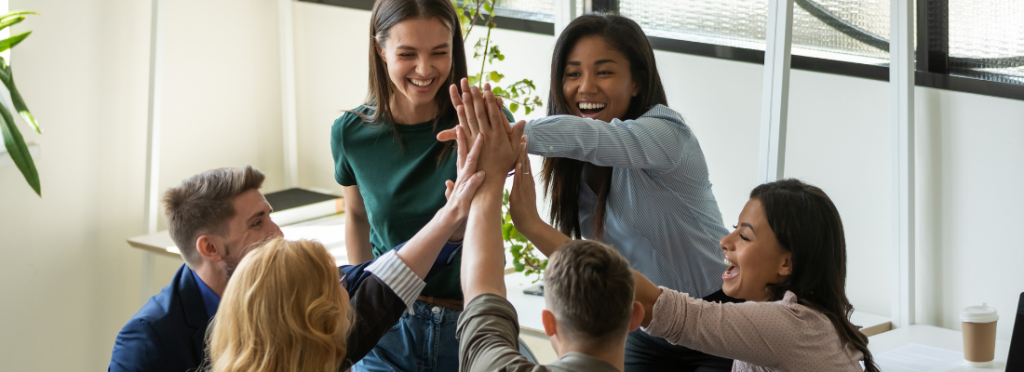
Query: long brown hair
x=807, y=224
x=388, y=13
x=282, y=311
x=562, y=176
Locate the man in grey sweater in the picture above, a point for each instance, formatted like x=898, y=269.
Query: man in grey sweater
x=588, y=286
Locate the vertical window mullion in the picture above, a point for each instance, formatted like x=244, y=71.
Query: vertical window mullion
x=933, y=36
x=605, y=6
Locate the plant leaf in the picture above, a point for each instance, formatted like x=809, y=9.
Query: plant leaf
x=18, y=150
x=513, y=107
x=517, y=236
x=17, y=13
x=495, y=77
x=8, y=22
x=506, y=229
x=10, y=42
x=19, y=104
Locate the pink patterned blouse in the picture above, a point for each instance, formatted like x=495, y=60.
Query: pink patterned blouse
x=760, y=336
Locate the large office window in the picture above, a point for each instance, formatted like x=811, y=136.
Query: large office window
x=973, y=38
x=534, y=10
x=817, y=25
x=987, y=37
x=974, y=46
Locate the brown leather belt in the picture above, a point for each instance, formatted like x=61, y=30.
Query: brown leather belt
x=447, y=304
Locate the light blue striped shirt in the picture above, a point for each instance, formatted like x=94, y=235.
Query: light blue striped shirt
x=661, y=214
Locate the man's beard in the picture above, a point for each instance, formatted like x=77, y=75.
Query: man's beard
x=231, y=262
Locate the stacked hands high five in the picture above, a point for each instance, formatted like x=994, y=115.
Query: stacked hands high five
x=480, y=116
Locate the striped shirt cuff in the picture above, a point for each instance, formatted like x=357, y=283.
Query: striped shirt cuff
x=393, y=272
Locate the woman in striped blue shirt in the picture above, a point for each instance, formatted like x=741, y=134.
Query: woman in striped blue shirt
x=622, y=168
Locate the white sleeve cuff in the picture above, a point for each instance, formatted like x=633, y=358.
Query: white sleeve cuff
x=397, y=275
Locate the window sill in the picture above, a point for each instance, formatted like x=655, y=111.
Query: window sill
x=5, y=158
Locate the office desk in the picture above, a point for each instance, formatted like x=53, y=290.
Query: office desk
x=935, y=337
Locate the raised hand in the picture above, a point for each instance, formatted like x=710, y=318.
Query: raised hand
x=499, y=153
x=476, y=110
x=460, y=193
x=523, y=198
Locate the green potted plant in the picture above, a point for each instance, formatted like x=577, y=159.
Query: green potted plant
x=13, y=141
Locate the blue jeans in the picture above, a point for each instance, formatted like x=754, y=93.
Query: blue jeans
x=421, y=342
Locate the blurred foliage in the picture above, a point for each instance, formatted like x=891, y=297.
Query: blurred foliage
x=13, y=141
x=525, y=257
x=517, y=94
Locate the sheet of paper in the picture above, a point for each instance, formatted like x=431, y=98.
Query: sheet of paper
x=332, y=237
x=327, y=235
x=918, y=358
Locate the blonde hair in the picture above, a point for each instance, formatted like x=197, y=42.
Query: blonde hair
x=282, y=311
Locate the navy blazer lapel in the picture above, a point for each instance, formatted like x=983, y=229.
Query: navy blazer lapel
x=195, y=309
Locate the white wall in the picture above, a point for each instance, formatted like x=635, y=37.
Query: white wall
x=970, y=161
x=969, y=155
x=69, y=279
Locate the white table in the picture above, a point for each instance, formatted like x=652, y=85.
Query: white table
x=935, y=337
x=528, y=307
x=329, y=230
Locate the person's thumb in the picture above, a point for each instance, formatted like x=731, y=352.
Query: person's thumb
x=446, y=135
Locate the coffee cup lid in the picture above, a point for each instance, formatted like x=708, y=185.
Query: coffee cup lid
x=979, y=314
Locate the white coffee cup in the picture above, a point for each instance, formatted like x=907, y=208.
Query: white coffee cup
x=979, y=329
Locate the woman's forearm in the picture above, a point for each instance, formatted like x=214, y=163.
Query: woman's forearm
x=646, y=293
x=653, y=141
x=544, y=237
x=421, y=251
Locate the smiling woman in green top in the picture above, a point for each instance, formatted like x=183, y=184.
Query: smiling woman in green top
x=394, y=170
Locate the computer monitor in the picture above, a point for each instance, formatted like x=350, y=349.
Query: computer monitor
x=1015, y=361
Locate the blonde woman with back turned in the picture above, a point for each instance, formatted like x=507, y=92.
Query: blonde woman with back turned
x=283, y=310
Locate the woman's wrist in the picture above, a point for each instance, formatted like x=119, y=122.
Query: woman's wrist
x=527, y=226
x=448, y=220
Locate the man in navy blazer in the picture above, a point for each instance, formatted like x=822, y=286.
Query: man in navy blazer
x=214, y=218
x=218, y=216
x=168, y=333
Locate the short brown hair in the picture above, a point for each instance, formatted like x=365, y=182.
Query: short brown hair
x=589, y=286
x=202, y=204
